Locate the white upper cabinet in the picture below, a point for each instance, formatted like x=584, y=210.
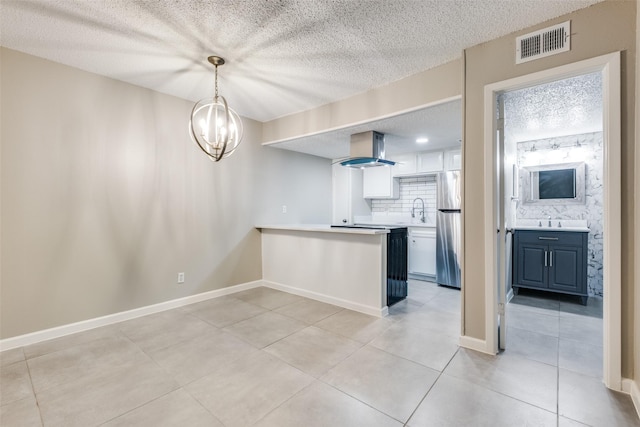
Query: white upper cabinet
x=379, y=183
x=430, y=162
x=427, y=162
x=417, y=163
x=453, y=160
x=406, y=164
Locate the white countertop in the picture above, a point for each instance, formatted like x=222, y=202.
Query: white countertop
x=397, y=224
x=322, y=228
x=394, y=221
x=556, y=225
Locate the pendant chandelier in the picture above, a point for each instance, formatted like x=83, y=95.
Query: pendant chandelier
x=214, y=126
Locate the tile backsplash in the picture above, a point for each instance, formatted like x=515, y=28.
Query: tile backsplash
x=423, y=187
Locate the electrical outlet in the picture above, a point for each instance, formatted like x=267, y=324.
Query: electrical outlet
x=180, y=277
x=284, y=208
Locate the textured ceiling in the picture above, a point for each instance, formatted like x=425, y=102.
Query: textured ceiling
x=283, y=56
x=441, y=124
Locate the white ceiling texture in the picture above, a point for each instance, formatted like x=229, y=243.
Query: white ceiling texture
x=283, y=56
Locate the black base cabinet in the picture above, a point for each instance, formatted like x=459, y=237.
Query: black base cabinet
x=397, y=263
x=554, y=261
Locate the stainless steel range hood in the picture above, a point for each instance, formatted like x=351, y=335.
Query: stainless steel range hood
x=367, y=150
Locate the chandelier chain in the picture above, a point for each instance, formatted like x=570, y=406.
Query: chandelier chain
x=216, y=83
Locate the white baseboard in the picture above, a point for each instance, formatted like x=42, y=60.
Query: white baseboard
x=509, y=295
x=372, y=311
x=630, y=386
x=475, y=344
x=72, y=328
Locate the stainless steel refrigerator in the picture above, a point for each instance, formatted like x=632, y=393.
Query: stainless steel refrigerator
x=448, y=229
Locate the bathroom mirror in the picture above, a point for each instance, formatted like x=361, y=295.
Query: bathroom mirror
x=556, y=184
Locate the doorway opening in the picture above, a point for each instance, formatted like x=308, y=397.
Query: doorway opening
x=506, y=178
x=553, y=197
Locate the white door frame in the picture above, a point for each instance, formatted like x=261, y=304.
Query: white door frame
x=609, y=65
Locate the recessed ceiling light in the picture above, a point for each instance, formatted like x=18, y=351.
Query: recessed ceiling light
x=422, y=140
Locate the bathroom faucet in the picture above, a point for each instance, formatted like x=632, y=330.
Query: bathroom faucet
x=413, y=209
x=549, y=218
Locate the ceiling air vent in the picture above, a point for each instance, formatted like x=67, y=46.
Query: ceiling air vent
x=546, y=42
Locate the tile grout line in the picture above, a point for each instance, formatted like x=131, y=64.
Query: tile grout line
x=152, y=360
x=501, y=392
x=35, y=396
x=361, y=401
x=139, y=406
x=289, y=398
x=431, y=388
x=350, y=395
x=201, y=404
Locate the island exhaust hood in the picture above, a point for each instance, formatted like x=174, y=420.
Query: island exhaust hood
x=367, y=150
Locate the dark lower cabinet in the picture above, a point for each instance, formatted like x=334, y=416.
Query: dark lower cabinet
x=554, y=261
x=397, y=263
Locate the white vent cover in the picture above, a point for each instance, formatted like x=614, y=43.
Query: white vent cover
x=546, y=42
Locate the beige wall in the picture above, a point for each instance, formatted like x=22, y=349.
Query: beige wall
x=424, y=88
x=104, y=198
x=636, y=331
x=597, y=30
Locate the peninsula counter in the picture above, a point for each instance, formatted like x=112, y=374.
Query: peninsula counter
x=346, y=267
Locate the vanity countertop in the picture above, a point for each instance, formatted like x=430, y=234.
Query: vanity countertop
x=555, y=225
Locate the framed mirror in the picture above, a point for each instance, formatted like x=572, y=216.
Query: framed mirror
x=556, y=184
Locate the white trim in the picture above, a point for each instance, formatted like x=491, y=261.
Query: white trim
x=365, y=121
x=475, y=344
x=463, y=159
x=370, y=310
x=609, y=65
x=630, y=387
x=612, y=268
x=490, y=273
x=72, y=328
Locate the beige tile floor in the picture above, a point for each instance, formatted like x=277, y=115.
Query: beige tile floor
x=268, y=358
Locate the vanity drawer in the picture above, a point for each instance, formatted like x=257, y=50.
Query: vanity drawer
x=546, y=237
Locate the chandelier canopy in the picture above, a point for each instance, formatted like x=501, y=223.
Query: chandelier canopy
x=214, y=126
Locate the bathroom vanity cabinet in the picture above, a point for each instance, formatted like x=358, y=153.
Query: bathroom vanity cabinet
x=554, y=261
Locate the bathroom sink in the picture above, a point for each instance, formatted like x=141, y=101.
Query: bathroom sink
x=551, y=228
x=556, y=225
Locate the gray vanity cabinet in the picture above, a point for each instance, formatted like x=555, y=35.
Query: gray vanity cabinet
x=554, y=261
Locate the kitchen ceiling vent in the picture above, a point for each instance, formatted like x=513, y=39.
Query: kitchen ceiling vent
x=542, y=43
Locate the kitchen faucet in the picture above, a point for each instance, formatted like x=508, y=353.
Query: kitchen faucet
x=413, y=209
